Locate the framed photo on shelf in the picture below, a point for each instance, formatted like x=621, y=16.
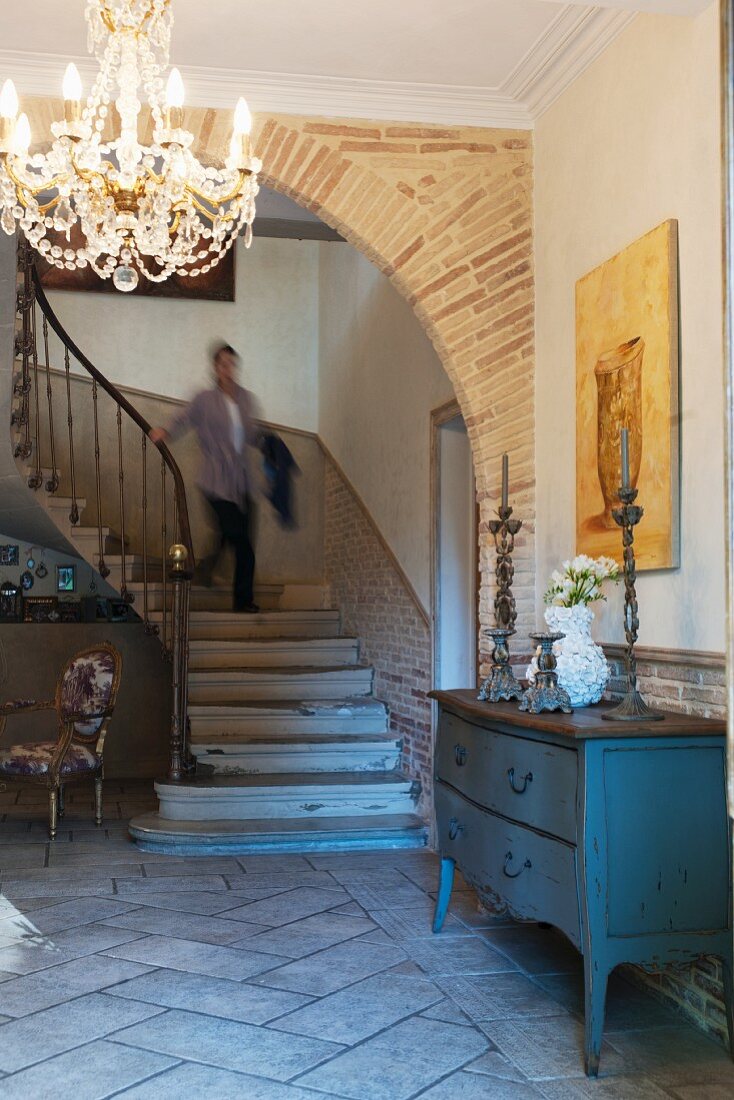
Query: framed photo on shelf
x=65, y=578
x=70, y=611
x=39, y=609
x=118, y=611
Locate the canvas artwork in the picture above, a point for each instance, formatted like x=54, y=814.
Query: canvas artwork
x=627, y=376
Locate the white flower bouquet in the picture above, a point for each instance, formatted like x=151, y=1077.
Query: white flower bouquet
x=580, y=581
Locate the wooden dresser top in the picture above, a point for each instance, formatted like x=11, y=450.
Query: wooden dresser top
x=583, y=724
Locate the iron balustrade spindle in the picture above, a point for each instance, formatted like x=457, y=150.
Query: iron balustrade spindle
x=24, y=302
x=127, y=596
x=53, y=482
x=102, y=566
x=35, y=480
x=74, y=513
x=149, y=628
x=164, y=549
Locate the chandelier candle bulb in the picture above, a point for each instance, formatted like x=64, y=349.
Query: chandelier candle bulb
x=240, y=147
x=174, y=101
x=22, y=136
x=72, y=92
x=8, y=111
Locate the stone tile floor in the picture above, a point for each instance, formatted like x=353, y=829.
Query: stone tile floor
x=293, y=977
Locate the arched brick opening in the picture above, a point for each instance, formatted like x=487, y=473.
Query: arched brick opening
x=446, y=214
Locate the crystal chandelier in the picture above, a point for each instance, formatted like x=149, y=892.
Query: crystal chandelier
x=132, y=208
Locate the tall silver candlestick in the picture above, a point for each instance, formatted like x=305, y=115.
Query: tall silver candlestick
x=501, y=683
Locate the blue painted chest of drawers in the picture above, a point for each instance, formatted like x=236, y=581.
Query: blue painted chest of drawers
x=616, y=833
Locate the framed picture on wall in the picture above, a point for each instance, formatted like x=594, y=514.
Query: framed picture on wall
x=627, y=377
x=65, y=578
x=9, y=555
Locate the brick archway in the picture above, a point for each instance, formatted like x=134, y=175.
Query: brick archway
x=446, y=214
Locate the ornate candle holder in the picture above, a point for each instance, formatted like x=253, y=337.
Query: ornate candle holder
x=501, y=683
x=545, y=693
x=633, y=707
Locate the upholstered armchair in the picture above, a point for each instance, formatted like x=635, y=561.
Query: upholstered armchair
x=86, y=692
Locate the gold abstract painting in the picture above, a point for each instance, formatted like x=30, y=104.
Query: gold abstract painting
x=627, y=376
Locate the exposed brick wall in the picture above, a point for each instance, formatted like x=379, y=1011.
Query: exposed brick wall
x=378, y=608
x=691, y=684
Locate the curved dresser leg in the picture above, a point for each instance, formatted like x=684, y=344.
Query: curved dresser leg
x=595, y=985
x=443, y=898
x=728, y=975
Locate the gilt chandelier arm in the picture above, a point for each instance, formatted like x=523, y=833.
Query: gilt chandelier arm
x=113, y=203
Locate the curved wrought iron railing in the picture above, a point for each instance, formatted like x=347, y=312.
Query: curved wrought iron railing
x=42, y=394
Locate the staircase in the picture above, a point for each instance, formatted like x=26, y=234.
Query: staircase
x=292, y=750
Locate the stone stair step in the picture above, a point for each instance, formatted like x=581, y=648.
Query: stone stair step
x=225, y=721
x=152, y=833
x=295, y=795
x=86, y=539
x=308, y=682
x=214, y=600
x=221, y=625
x=275, y=652
x=315, y=752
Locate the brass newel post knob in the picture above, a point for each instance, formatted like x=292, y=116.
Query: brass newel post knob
x=177, y=555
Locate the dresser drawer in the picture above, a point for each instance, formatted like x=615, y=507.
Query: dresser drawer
x=528, y=781
x=532, y=875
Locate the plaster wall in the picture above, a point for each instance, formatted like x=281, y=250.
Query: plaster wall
x=161, y=345
x=633, y=141
x=379, y=378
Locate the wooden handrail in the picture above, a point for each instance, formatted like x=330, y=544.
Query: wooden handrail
x=122, y=401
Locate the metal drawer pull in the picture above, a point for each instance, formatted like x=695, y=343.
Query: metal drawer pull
x=508, y=859
x=455, y=828
x=525, y=780
x=460, y=754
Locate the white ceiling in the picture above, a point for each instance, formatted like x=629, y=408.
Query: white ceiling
x=491, y=62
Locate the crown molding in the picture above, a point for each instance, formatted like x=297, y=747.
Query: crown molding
x=572, y=42
x=296, y=94
x=568, y=46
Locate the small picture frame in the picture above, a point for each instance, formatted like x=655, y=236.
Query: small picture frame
x=65, y=578
x=70, y=611
x=9, y=555
x=118, y=611
x=38, y=609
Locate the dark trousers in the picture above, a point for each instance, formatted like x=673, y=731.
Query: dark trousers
x=235, y=528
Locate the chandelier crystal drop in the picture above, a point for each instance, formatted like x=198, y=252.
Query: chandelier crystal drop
x=113, y=203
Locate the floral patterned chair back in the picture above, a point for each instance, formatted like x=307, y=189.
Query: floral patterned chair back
x=88, y=689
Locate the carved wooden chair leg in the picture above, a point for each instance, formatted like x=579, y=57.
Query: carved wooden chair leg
x=98, y=799
x=62, y=801
x=53, y=811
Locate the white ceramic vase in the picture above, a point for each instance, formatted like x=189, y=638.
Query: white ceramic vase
x=581, y=665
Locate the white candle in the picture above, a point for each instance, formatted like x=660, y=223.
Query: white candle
x=625, y=459
x=505, y=479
